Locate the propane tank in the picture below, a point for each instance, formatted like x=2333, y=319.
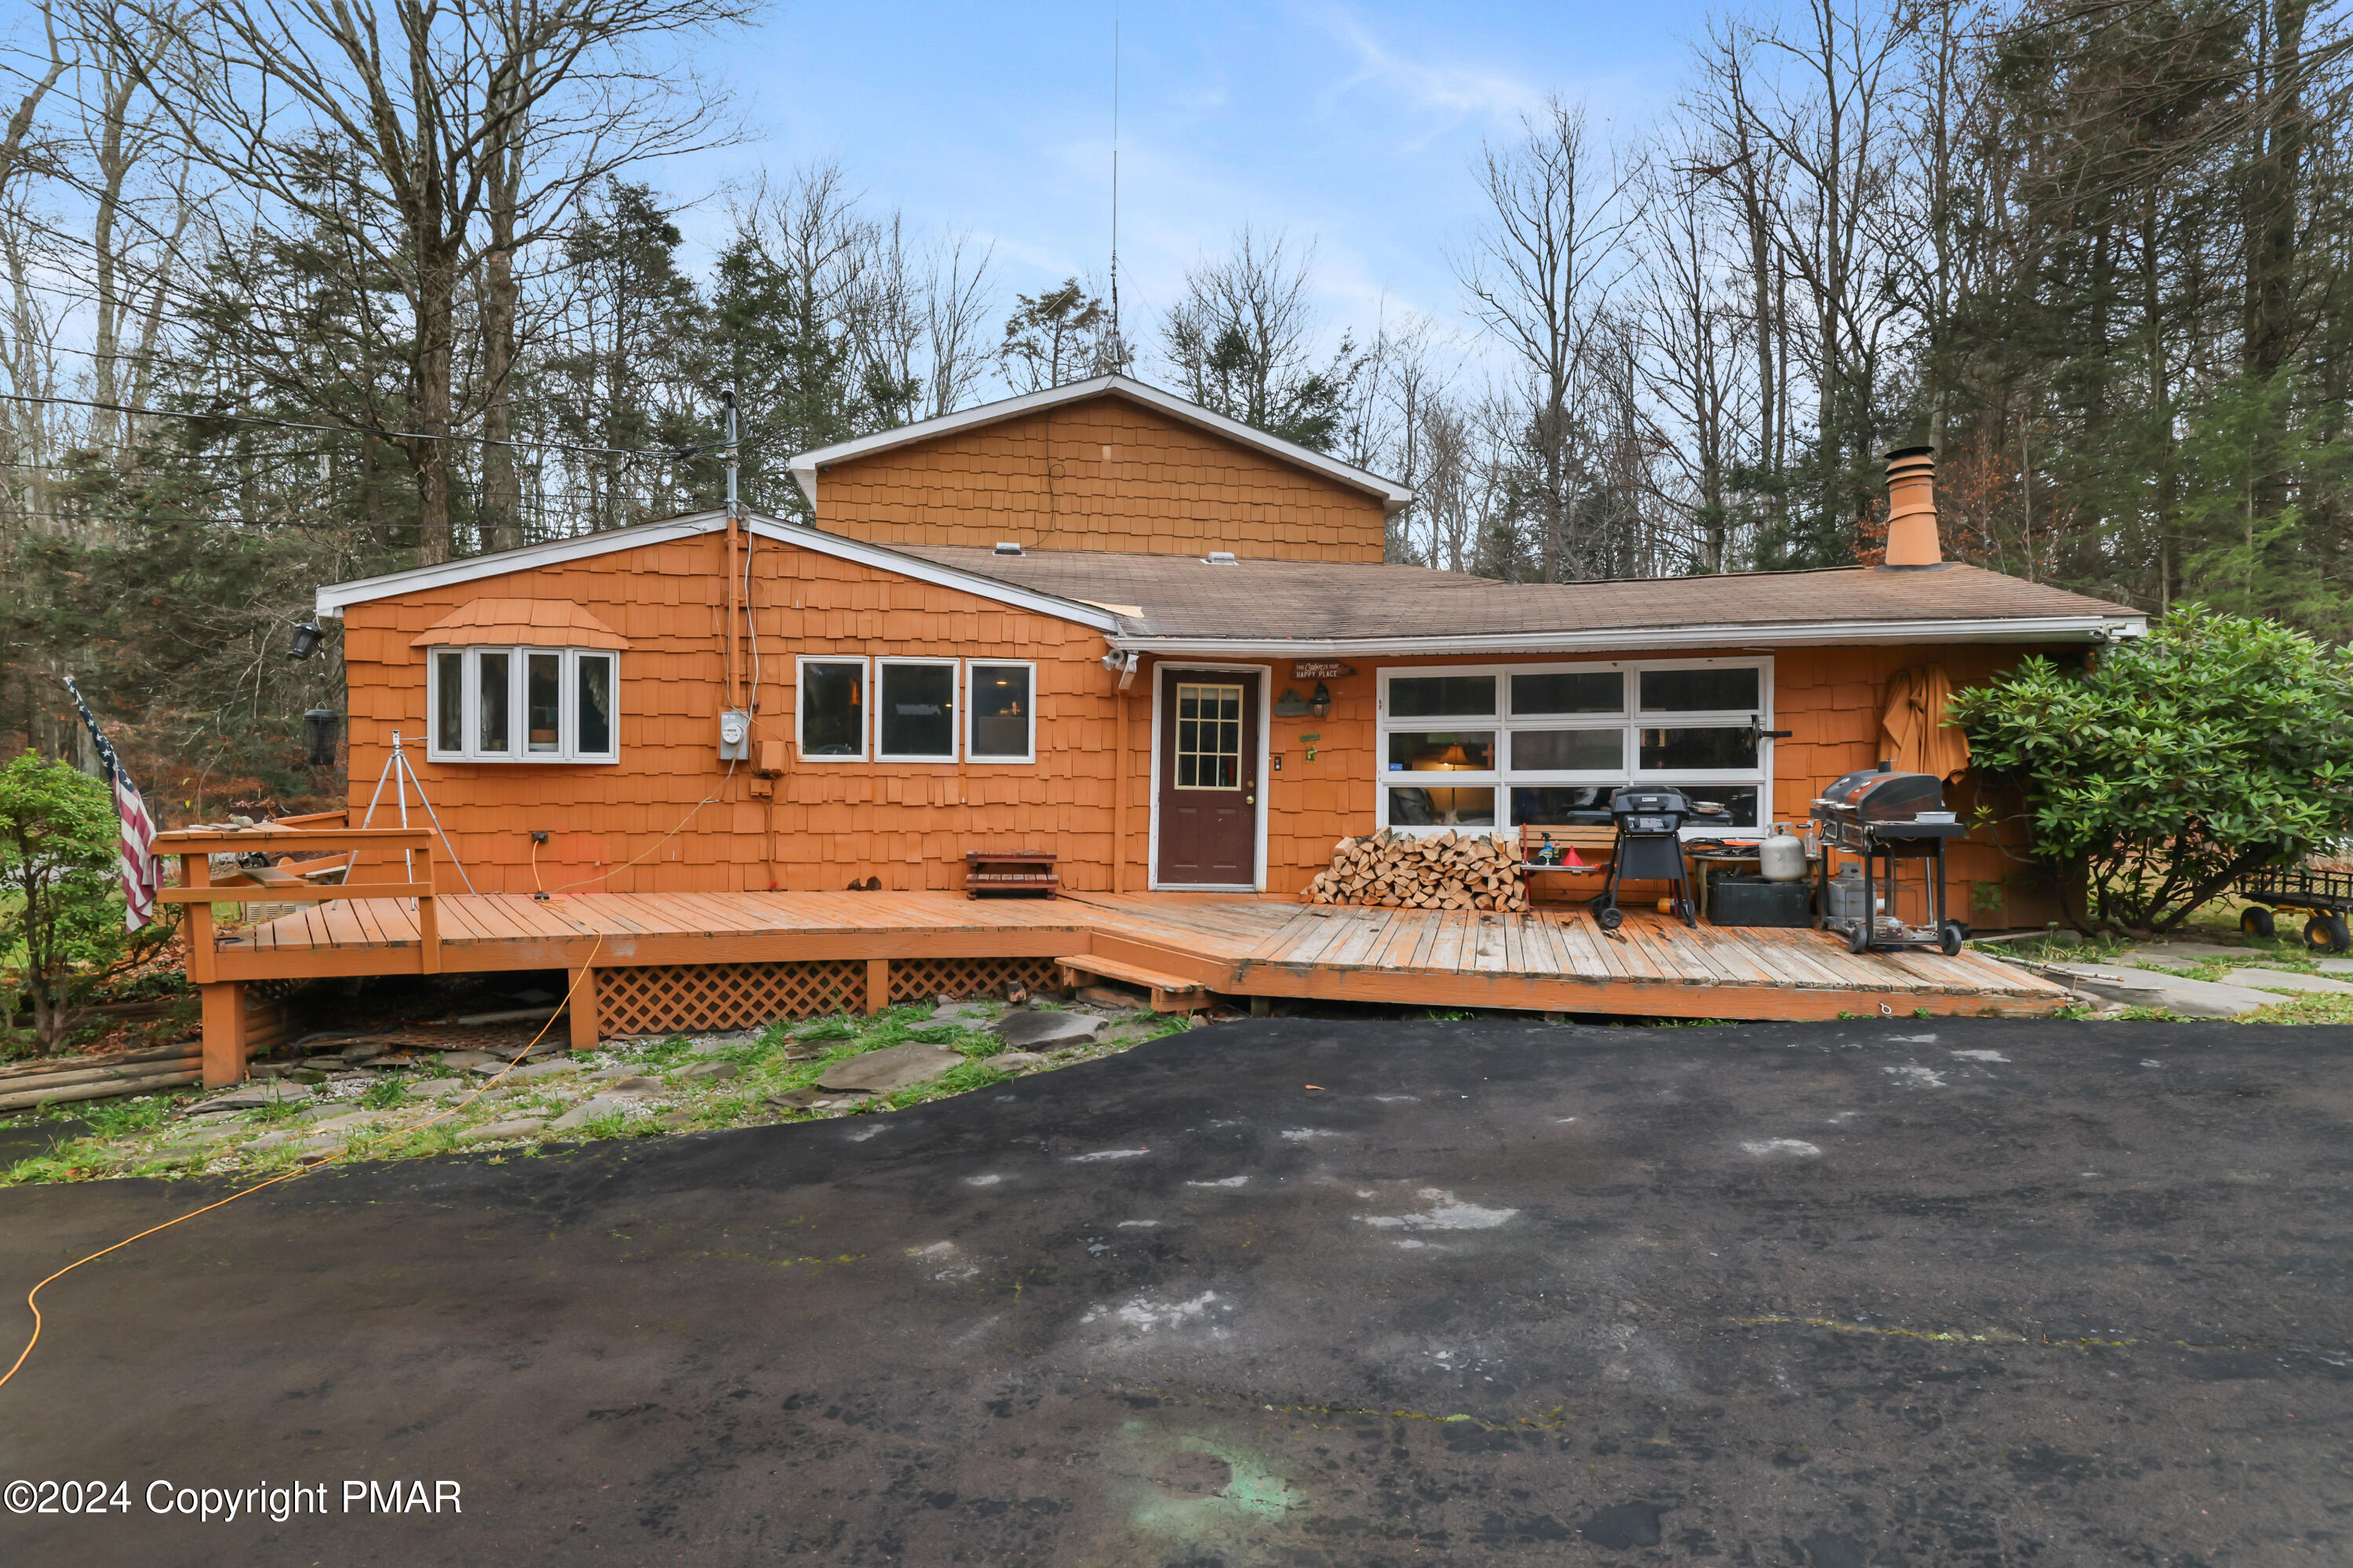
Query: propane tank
x=1846, y=902
x=1782, y=857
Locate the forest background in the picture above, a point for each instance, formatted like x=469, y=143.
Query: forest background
x=304, y=291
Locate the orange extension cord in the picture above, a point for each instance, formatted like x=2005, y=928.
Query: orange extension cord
x=30, y=1296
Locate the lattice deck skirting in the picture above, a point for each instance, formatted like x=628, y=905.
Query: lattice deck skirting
x=921, y=979
x=658, y=999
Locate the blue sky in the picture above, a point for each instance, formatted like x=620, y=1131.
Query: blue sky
x=1353, y=126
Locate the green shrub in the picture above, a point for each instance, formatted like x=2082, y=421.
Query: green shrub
x=57, y=856
x=2214, y=746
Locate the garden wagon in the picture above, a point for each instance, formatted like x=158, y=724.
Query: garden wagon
x=2325, y=895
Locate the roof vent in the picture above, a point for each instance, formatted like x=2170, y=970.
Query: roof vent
x=1219, y=558
x=1007, y=547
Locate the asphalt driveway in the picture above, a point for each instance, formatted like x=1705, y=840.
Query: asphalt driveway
x=1826, y=1296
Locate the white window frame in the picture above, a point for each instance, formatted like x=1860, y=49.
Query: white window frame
x=865, y=737
x=1629, y=720
x=954, y=668
x=971, y=715
x=567, y=750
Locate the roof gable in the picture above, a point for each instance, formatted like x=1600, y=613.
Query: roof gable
x=335, y=596
x=807, y=465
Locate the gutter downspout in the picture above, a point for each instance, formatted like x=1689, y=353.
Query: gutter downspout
x=1125, y=664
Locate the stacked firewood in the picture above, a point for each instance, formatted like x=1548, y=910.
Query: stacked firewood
x=1443, y=871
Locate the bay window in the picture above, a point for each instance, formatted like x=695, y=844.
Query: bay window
x=520, y=705
x=1544, y=746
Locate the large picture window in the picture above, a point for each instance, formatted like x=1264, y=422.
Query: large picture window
x=1544, y=746
x=521, y=705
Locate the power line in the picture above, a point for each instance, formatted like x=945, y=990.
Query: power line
x=672, y=453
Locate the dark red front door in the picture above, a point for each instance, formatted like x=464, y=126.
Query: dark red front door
x=1209, y=777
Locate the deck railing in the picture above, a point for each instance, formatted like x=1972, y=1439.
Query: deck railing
x=276, y=884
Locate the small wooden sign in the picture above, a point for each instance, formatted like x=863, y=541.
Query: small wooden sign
x=1320, y=669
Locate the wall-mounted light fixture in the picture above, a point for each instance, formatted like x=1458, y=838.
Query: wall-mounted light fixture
x=307, y=637
x=1320, y=705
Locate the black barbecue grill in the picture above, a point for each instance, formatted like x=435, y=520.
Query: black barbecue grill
x=1881, y=816
x=1650, y=847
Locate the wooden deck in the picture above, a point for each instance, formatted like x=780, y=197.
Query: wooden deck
x=1550, y=960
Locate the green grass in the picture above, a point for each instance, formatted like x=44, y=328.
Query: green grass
x=386, y=1092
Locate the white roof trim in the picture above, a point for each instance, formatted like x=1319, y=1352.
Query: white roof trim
x=333, y=597
x=885, y=559
x=1394, y=497
x=1791, y=634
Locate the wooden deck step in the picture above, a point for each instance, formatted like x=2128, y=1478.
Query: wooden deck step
x=1170, y=992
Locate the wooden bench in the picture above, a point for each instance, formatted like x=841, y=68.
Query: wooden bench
x=996, y=873
x=1595, y=849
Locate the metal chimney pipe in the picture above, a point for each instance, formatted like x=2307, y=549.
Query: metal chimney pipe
x=1911, y=508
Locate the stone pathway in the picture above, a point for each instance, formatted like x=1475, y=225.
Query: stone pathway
x=379, y=1103
x=2155, y=975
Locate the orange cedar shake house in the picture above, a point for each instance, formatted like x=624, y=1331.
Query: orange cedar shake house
x=1108, y=623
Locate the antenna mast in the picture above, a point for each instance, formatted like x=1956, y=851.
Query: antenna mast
x=1118, y=343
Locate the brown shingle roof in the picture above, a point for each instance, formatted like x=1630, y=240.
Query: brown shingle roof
x=1259, y=600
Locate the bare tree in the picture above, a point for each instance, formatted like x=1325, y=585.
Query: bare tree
x=958, y=300
x=1561, y=213
x=421, y=104
x=1693, y=343
x=1243, y=341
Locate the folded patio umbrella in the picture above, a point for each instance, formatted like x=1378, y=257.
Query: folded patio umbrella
x=1913, y=731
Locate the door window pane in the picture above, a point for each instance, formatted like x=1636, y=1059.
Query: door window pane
x=1425, y=751
x=1700, y=692
x=450, y=701
x=1000, y=698
x=594, y=738
x=543, y=703
x=494, y=690
x=833, y=710
x=1442, y=697
x=1569, y=750
x=1208, y=737
x=1467, y=806
x=1570, y=692
x=918, y=710
x=1695, y=749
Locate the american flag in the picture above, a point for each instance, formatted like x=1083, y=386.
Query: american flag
x=138, y=841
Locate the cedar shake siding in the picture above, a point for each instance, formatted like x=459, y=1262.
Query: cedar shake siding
x=911, y=824
x=1103, y=474
x=908, y=823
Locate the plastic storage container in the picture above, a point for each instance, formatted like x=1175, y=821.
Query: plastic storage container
x=1739, y=899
